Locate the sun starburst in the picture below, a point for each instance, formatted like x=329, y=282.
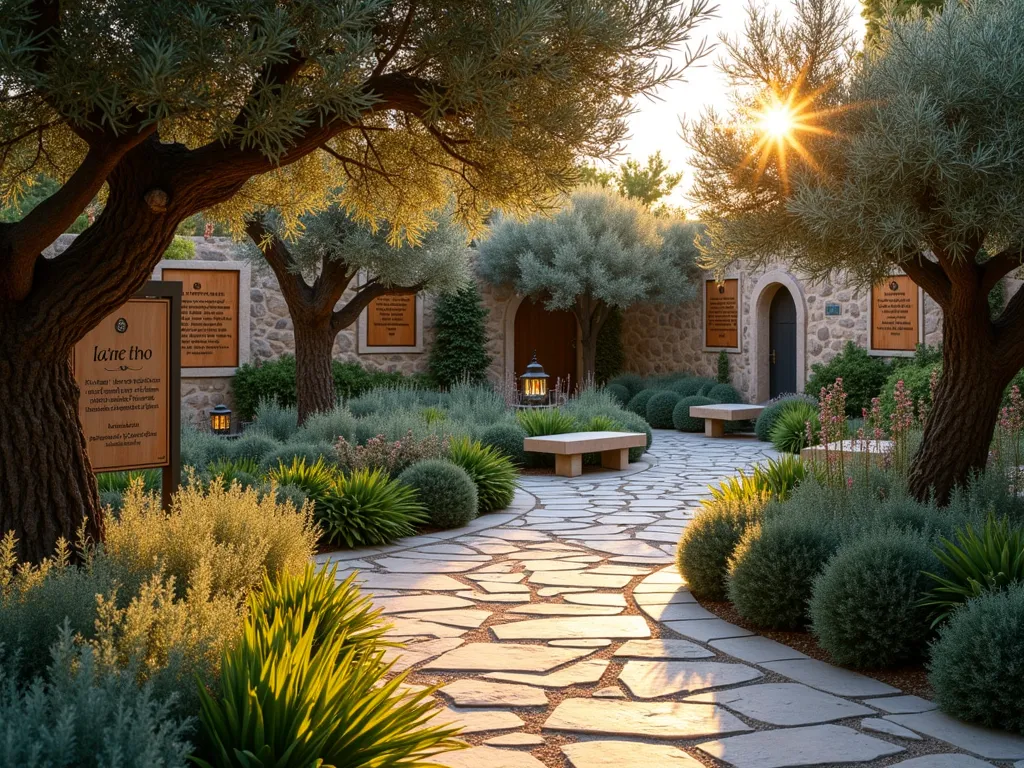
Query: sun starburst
x=781, y=122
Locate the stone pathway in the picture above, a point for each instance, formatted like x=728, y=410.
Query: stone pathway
x=562, y=635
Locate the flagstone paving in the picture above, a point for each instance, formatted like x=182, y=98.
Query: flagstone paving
x=562, y=635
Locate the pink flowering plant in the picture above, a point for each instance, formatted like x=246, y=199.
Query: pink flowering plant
x=900, y=424
x=832, y=418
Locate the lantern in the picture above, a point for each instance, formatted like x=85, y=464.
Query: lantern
x=220, y=420
x=535, y=383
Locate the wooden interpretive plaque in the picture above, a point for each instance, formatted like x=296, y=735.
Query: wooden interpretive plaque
x=895, y=315
x=721, y=314
x=209, y=316
x=391, y=320
x=123, y=370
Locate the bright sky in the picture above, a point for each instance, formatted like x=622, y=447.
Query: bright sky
x=656, y=125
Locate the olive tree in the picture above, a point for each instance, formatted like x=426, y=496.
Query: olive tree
x=600, y=252
x=166, y=109
x=317, y=266
x=909, y=156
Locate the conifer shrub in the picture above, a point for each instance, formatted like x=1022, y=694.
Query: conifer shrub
x=711, y=537
x=459, y=352
x=493, y=473
x=681, y=418
x=660, y=408
x=446, y=491
x=722, y=368
x=638, y=403
x=507, y=439
x=865, y=607
x=772, y=411
x=976, y=668
x=773, y=568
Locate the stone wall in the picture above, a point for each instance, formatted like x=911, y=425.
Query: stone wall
x=660, y=340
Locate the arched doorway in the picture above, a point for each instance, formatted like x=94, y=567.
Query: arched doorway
x=782, y=343
x=552, y=334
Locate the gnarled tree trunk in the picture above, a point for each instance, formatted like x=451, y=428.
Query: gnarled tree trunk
x=962, y=419
x=43, y=460
x=314, y=343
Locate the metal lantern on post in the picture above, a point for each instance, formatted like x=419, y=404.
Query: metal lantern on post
x=535, y=383
x=220, y=420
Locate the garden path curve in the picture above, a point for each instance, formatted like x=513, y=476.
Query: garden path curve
x=563, y=635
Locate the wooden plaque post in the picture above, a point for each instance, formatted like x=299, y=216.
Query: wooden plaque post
x=128, y=370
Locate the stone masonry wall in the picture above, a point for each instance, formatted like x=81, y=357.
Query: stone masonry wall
x=660, y=340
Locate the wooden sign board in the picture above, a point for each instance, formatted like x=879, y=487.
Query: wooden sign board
x=209, y=316
x=123, y=370
x=391, y=320
x=895, y=315
x=722, y=314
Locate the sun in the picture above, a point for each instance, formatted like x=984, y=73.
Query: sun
x=777, y=121
x=780, y=123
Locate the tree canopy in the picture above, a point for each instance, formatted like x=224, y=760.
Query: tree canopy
x=908, y=157
x=165, y=109
x=317, y=268
x=601, y=251
x=648, y=183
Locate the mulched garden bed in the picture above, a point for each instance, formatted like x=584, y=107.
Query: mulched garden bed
x=909, y=679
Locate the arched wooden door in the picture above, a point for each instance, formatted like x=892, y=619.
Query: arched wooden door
x=782, y=343
x=552, y=335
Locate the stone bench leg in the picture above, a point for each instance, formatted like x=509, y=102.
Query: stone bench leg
x=570, y=465
x=617, y=459
x=714, y=428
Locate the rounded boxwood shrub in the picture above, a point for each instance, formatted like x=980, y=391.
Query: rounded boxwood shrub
x=976, y=668
x=508, y=440
x=255, y=446
x=659, y=409
x=789, y=433
x=446, y=491
x=865, y=607
x=725, y=393
x=638, y=403
x=689, y=387
x=772, y=411
x=772, y=571
x=633, y=382
x=709, y=540
x=681, y=418
x=619, y=392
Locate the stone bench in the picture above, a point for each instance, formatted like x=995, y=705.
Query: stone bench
x=715, y=416
x=569, y=449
